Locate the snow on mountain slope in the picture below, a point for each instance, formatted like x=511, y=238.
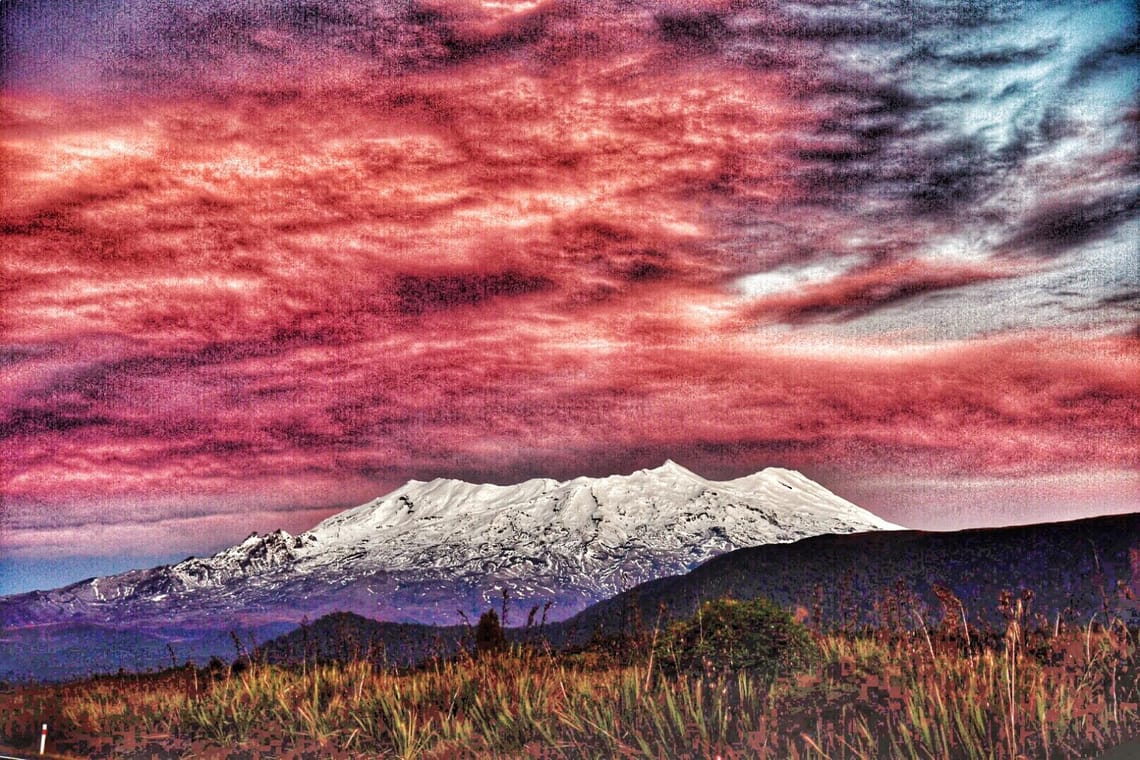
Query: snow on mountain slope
x=428, y=550
x=449, y=523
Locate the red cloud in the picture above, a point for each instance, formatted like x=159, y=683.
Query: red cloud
x=348, y=248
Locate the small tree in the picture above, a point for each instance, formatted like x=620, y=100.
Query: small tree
x=489, y=636
x=726, y=634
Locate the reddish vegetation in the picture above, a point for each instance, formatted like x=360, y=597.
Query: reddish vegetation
x=888, y=693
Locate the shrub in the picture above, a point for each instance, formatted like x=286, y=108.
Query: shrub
x=757, y=636
x=489, y=637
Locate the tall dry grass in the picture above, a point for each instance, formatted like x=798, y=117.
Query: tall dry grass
x=920, y=694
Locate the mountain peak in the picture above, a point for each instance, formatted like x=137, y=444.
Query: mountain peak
x=670, y=471
x=426, y=549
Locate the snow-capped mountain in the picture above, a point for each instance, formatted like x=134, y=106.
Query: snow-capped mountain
x=429, y=550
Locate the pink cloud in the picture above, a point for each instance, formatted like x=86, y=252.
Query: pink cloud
x=286, y=263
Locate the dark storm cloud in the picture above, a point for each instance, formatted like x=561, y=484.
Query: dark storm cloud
x=1062, y=226
x=998, y=57
x=1118, y=55
x=416, y=295
x=702, y=32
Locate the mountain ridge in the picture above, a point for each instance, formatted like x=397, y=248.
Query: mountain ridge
x=1072, y=571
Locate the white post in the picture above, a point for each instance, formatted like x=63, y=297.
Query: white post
x=43, y=738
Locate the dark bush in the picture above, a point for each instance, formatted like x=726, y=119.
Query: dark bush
x=489, y=637
x=757, y=636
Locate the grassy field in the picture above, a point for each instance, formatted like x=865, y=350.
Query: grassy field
x=944, y=693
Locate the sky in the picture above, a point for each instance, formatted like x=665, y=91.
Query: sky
x=263, y=261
